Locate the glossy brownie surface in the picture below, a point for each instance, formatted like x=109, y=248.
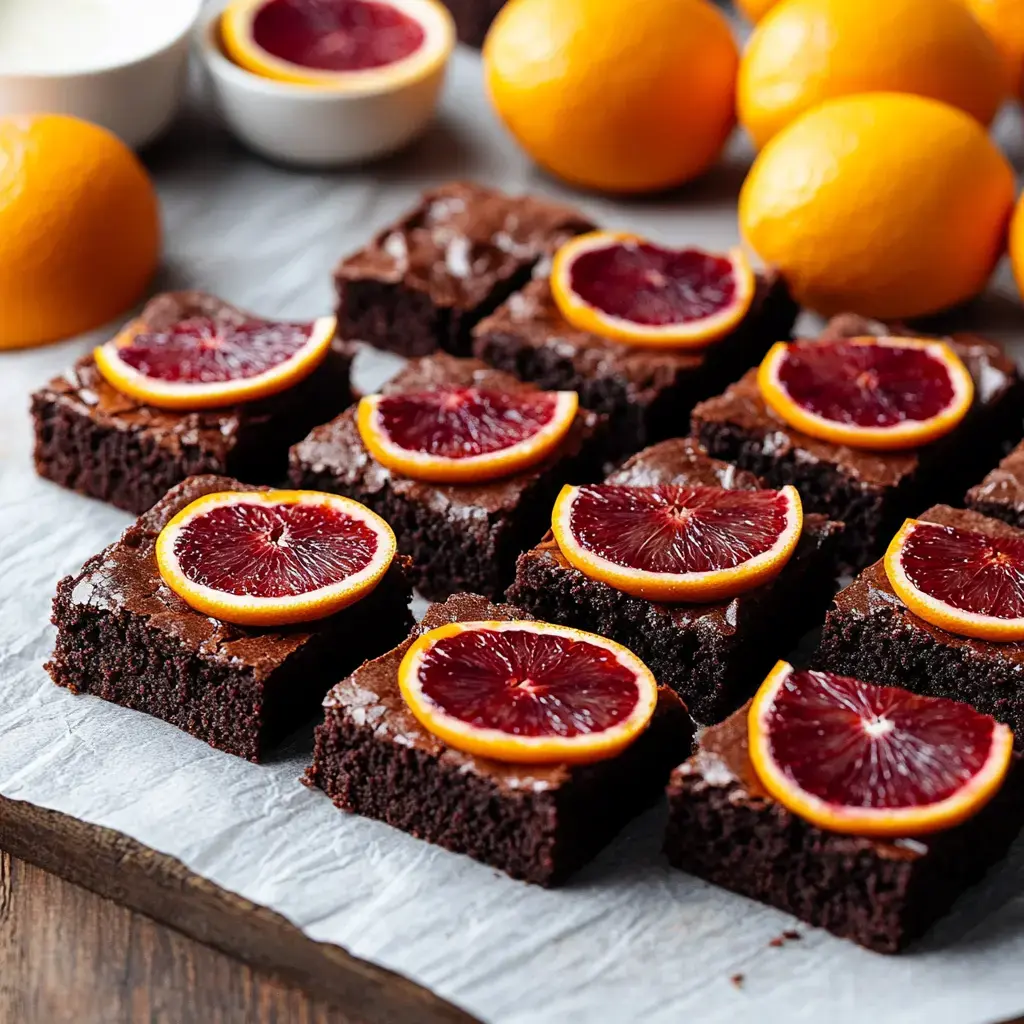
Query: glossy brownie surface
x=461, y=240
x=1001, y=493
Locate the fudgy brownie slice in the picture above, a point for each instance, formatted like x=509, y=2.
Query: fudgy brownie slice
x=123, y=635
x=725, y=828
x=871, y=634
x=460, y=536
x=713, y=655
x=425, y=281
x=1001, y=493
x=473, y=18
x=647, y=393
x=535, y=822
x=93, y=439
x=871, y=492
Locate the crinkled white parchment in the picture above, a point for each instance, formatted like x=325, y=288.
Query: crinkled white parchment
x=629, y=939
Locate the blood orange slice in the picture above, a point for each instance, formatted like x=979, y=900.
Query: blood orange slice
x=622, y=287
x=853, y=757
x=674, y=543
x=960, y=580
x=877, y=393
x=199, y=363
x=356, y=45
x=453, y=435
x=527, y=691
x=271, y=558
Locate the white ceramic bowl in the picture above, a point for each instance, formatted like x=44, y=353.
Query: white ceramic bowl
x=136, y=99
x=314, y=126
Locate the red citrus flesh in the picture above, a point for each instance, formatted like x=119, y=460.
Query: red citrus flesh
x=866, y=385
x=528, y=683
x=968, y=570
x=645, y=284
x=199, y=350
x=336, y=35
x=675, y=529
x=273, y=551
x=853, y=744
x=460, y=423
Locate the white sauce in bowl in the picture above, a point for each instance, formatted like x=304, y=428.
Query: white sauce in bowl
x=61, y=37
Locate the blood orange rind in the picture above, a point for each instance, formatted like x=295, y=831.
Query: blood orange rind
x=181, y=395
x=711, y=585
x=249, y=610
x=938, y=612
x=682, y=334
x=502, y=745
x=909, y=820
x=238, y=35
x=909, y=433
x=492, y=465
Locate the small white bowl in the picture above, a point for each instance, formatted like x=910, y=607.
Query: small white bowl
x=135, y=99
x=322, y=126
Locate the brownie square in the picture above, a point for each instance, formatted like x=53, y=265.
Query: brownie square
x=536, y=822
x=95, y=440
x=882, y=894
x=647, y=393
x=123, y=635
x=460, y=536
x=870, y=633
x=425, y=281
x=871, y=492
x=1001, y=493
x=473, y=18
x=713, y=655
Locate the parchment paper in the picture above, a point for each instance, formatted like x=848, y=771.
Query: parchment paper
x=630, y=939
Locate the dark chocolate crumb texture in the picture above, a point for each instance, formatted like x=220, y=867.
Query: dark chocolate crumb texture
x=538, y=823
x=460, y=536
x=870, y=492
x=713, y=655
x=871, y=634
x=123, y=635
x=724, y=827
x=424, y=282
x=95, y=440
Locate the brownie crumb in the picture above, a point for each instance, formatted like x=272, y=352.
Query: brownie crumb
x=737, y=980
x=791, y=935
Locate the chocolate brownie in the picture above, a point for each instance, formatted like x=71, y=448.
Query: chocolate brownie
x=646, y=392
x=473, y=18
x=460, y=536
x=536, y=822
x=1001, y=493
x=123, y=635
x=93, y=439
x=426, y=280
x=871, y=492
x=870, y=633
x=713, y=655
x=725, y=828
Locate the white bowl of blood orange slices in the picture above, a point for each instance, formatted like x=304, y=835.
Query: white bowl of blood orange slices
x=324, y=83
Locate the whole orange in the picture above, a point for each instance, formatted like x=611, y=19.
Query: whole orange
x=1017, y=244
x=1004, y=22
x=807, y=51
x=885, y=204
x=755, y=10
x=79, y=228
x=616, y=95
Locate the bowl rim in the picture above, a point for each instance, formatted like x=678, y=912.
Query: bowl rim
x=208, y=42
x=182, y=35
